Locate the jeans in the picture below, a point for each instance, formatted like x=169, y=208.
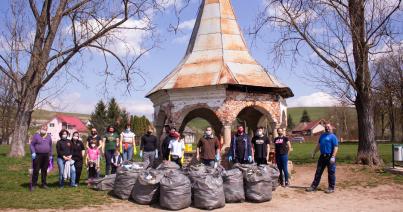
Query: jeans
x=208, y=162
x=60, y=163
x=323, y=162
x=149, y=158
x=282, y=164
x=108, y=158
x=128, y=153
x=41, y=162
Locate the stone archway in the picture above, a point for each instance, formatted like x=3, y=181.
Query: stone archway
x=253, y=117
x=206, y=114
x=160, y=120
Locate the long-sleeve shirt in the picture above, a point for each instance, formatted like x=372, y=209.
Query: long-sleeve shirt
x=41, y=144
x=148, y=143
x=64, y=147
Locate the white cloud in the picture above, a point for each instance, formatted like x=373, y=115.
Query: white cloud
x=138, y=107
x=318, y=99
x=187, y=25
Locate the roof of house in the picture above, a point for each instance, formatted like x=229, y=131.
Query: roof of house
x=305, y=126
x=217, y=54
x=73, y=121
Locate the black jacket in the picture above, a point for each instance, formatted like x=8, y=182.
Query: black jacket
x=64, y=147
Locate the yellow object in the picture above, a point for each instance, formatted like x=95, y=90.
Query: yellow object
x=121, y=149
x=134, y=149
x=169, y=157
x=188, y=147
x=183, y=159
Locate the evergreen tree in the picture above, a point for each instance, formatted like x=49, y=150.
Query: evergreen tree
x=123, y=120
x=290, y=122
x=305, y=117
x=98, y=118
x=113, y=113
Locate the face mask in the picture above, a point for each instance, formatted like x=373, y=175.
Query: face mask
x=64, y=136
x=240, y=131
x=149, y=132
x=93, y=133
x=327, y=129
x=172, y=134
x=128, y=130
x=92, y=145
x=209, y=133
x=75, y=137
x=259, y=133
x=43, y=132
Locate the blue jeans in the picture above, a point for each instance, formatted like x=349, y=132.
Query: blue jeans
x=323, y=162
x=60, y=163
x=108, y=161
x=128, y=154
x=282, y=164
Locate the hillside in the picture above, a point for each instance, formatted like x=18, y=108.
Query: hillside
x=47, y=115
x=314, y=113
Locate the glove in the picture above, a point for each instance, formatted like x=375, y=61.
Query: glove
x=33, y=156
x=183, y=159
x=217, y=157
x=141, y=154
x=230, y=158
x=332, y=160
x=250, y=159
x=50, y=157
x=134, y=149
x=156, y=154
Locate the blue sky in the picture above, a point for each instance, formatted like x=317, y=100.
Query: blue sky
x=82, y=96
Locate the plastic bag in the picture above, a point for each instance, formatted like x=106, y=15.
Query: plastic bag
x=146, y=189
x=175, y=191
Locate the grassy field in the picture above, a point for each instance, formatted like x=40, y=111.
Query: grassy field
x=14, y=180
x=314, y=113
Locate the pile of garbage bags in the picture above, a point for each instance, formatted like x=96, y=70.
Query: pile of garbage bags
x=206, y=187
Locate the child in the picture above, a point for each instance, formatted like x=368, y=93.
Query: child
x=177, y=148
x=92, y=160
x=116, y=160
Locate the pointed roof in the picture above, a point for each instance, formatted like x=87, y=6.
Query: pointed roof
x=217, y=54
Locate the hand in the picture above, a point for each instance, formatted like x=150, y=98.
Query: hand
x=141, y=154
x=333, y=160
x=33, y=156
x=217, y=157
x=50, y=157
x=250, y=159
x=230, y=158
x=198, y=157
x=156, y=154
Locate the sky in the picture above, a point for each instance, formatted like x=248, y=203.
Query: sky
x=81, y=96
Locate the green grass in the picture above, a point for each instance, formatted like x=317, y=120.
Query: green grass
x=314, y=113
x=47, y=115
x=347, y=153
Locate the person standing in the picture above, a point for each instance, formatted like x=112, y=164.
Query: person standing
x=109, y=144
x=92, y=160
x=129, y=144
x=41, y=153
x=116, y=161
x=328, y=146
x=208, y=148
x=94, y=135
x=78, y=155
x=282, y=146
x=240, y=148
x=176, y=149
x=148, y=147
x=261, y=147
x=165, y=143
x=64, y=149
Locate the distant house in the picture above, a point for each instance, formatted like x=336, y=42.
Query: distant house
x=310, y=128
x=70, y=123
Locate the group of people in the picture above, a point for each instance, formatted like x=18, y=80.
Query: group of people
x=72, y=154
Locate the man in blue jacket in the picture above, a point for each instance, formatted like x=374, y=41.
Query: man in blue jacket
x=241, y=147
x=328, y=146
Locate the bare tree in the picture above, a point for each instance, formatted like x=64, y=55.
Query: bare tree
x=341, y=35
x=7, y=108
x=42, y=39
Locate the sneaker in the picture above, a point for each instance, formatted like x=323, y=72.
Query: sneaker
x=33, y=188
x=287, y=183
x=310, y=189
x=75, y=185
x=329, y=191
x=44, y=186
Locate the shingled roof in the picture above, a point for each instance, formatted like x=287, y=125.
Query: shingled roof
x=217, y=54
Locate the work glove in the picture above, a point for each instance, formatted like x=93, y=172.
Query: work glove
x=141, y=154
x=332, y=160
x=217, y=157
x=250, y=159
x=156, y=154
x=33, y=156
x=183, y=159
x=134, y=149
x=230, y=158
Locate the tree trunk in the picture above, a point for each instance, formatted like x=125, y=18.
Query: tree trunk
x=22, y=121
x=391, y=119
x=367, y=146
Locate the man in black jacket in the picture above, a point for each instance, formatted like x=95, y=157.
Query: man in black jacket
x=148, y=147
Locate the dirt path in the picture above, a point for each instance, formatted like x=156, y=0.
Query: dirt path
x=356, y=191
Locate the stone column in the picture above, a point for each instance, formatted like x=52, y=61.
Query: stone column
x=274, y=126
x=227, y=136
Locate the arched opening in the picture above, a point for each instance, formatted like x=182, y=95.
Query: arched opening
x=252, y=118
x=197, y=120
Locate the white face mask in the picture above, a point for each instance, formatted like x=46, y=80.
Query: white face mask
x=209, y=133
x=75, y=137
x=92, y=145
x=259, y=133
x=64, y=136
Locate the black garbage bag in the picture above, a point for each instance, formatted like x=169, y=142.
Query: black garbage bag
x=103, y=184
x=207, y=189
x=126, y=177
x=233, y=186
x=146, y=189
x=257, y=184
x=175, y=191
x=167, y=166
x=275, y=174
